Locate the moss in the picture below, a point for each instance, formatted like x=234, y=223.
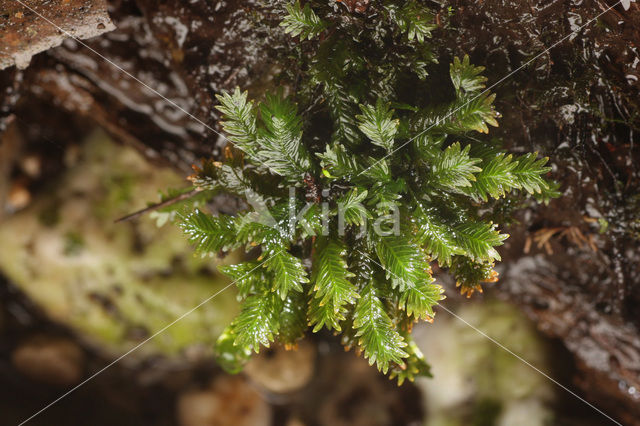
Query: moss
x=117, y=283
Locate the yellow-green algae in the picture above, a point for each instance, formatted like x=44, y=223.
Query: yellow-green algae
x=115, y=283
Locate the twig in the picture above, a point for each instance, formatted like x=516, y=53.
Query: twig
x=159, y=205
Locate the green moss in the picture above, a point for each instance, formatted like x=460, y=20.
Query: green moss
x=74, y=243
x=371, y=133
x=116, y=283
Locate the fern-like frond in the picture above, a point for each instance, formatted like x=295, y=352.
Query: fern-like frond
x=311, y=221
x=238, y=120
x=416, y=21
x=419, y=300
x=216, y=176
x=343, y=110
x=328, y=315
x=465, y=76
x=376, y=334
x=252, y=229
x=453, y=168
x=338, y=163
x=378, y=124
x=436, y=236
x=414, y=365
x=404, y=262
x=428, y=146
x=281, y=148
x=528, y=173
x=258, y=321
x=351, y=208
x=386, y=193
x=496, y=178
x=302, y=21
x=552, y=191
x=247, y=276
x=478, y=240
x=474, y=113
x=467, y=113
x=502, y=173
x=292, y=319
x=329, y=73
x=209, y=234
x=331, y=282
x=288, y=272
x=378, y=170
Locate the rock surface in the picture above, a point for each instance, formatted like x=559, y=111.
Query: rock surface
x=30, y=27
x=283, y=371
x=230, y=401
x=55, y=361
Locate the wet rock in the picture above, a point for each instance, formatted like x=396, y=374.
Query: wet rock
x=572, y=96
x=171, y=58
x=56, y=361
x=282, y=371
x=229, y=401
x=474, y=380
x=607, y=350
x=347, y=391
x=31, y=29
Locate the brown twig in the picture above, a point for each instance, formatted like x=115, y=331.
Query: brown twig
x=153, y=207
